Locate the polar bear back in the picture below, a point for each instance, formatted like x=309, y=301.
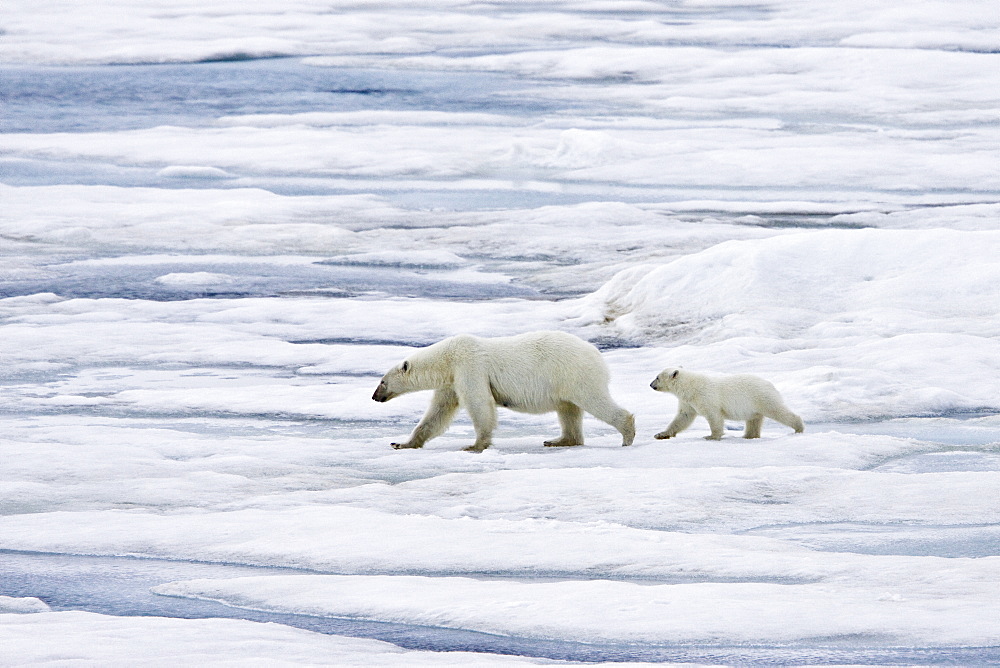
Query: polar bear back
x=534, y=372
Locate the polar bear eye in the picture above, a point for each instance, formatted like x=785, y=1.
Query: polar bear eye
x=406, y=367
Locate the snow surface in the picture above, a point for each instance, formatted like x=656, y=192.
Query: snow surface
x=83, y=638
x=10, y=604
x=220, y=223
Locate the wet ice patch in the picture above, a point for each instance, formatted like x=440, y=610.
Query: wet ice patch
x=419, y=259
x=250, y=276
x=944, y=461
x=958, y=429
x=955, y=541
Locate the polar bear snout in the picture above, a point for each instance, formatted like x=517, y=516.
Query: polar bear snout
x=382, y=393
x=664, y=380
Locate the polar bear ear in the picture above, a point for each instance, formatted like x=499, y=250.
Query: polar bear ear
x=406, y=366
x=674, y=374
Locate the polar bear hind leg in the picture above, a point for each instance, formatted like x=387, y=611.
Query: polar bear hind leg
x=571, y=420
x=605, y=409
x=753, y=426
x=787, y=418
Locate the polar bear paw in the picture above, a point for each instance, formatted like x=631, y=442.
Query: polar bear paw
x=561, y=443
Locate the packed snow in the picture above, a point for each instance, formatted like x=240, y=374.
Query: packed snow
x=83, y=638
x=220, y=224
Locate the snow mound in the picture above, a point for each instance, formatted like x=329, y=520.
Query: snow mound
x=859, y=282
x=27, y=604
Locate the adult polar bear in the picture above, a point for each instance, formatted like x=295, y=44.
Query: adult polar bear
x=739, y=397
x=537, y=372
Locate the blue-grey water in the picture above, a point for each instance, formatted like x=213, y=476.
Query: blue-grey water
x=247, y=278
x=42, y=99
x=53, y=99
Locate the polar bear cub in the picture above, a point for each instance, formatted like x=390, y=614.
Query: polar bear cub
x=538, y=372
x=741, y=397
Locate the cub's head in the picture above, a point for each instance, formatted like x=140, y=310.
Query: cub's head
x=396, y=382
x=665, y=381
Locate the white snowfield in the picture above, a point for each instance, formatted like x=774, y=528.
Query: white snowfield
x=87, y=639
x=195, y=312
x=603, y=611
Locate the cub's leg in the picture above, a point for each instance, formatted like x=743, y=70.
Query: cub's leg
x=571, y=420
x=435, y=421
x=685, y=416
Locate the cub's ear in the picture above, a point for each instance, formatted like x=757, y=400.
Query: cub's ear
x=406, y=366
x=674, y=374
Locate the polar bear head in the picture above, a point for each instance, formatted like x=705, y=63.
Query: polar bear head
x=398, y=380
x=666, y=380
x=426, y=369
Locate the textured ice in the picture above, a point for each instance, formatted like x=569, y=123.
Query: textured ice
x=91, y=639
x=220, y=223
x=602, y=611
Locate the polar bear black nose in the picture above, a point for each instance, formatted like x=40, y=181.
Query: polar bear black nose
x=653, y=385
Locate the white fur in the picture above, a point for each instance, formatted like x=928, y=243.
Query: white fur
x=538, y=372
x=742, y=397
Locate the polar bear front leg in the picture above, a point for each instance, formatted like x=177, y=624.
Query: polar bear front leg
x=685, y=416
x=435, y=421
x=718, y=425
x=484, y=421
